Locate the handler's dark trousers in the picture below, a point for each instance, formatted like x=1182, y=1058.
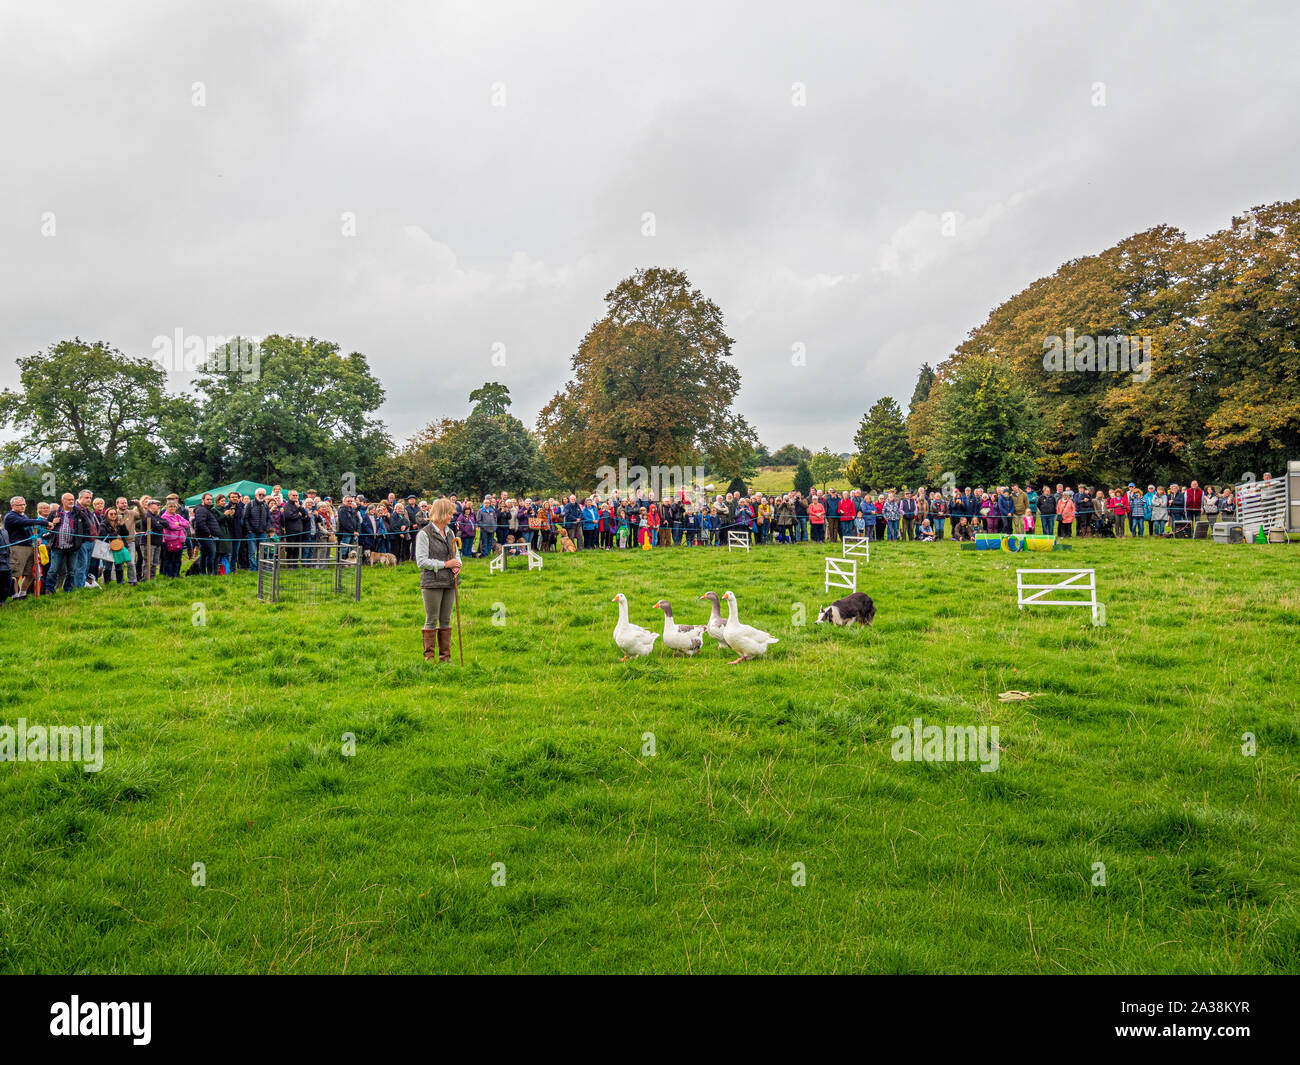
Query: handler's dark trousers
x=437, y=607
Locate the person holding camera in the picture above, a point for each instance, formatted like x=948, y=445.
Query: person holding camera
x=294, y=520
x=148, y=538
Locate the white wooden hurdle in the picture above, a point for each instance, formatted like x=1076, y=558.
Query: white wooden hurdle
x=842, y=573
x=1068, y=580
x=497, y=563
x=1262, y=504
x=858, y=546
x=737, y=539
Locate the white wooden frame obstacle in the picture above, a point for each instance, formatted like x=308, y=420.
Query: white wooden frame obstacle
x=858, y=546
x=842, y=573
x=737, y=539
x=1068, y=580
x=497, y=563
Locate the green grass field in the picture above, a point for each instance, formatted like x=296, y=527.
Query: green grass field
x=224, y=746
x=773, y=480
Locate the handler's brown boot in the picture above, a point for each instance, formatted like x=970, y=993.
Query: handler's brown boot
x=444, y=645
x=429, y=642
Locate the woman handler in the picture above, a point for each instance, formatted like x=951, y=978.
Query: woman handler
x=439, y=564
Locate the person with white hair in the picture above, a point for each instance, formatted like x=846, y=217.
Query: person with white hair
x=23, y=533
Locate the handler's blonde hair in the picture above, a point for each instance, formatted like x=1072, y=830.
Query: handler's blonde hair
x=442, y=509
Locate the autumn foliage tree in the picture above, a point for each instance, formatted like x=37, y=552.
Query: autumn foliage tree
x=1222, y=395
x=653, y=383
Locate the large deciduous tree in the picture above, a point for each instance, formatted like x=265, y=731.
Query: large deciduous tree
x=791, y=455
x=1221, y=395
x=985, y=428
x=303, y=414
x=492, y=399
x=825, y=466
x=491, y=449
x=415, y=468
x=653, y=383
x=89, y=411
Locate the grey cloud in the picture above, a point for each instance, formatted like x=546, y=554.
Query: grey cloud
x=478, y=224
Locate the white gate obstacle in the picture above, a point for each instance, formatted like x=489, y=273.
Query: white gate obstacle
x=1067, y=581
x=1263, y=504
x=842, y=573
x=497, y=563
x=858, y=546
x=737, y=539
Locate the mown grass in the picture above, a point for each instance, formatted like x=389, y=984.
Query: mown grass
x=224, y=746
x=773, y=480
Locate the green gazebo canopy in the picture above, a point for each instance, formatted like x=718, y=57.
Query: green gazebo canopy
x=244, y=488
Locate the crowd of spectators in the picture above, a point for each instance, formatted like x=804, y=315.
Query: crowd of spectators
x=83, y=542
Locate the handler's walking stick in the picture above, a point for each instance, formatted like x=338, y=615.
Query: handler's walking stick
x=460, y=646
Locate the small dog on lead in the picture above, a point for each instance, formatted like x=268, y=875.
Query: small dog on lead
x=852, y=609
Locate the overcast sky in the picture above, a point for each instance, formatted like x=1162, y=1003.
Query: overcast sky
x=479, y=224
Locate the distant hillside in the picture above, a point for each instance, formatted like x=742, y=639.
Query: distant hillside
x=774, y=479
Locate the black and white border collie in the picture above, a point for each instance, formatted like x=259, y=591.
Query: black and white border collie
x=856, y=608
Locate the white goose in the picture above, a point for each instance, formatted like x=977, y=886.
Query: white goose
x=632, y=640
x=746, y=640
x=687, y=638
x=717, y=625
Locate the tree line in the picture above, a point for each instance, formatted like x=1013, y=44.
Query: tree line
x=1216, y=321
x=653, y=382
x=1209, y=386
